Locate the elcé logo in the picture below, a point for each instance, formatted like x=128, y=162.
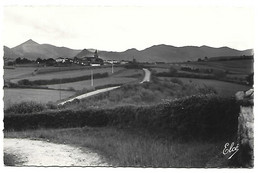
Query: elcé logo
x=230, y=148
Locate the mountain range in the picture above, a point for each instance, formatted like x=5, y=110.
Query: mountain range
x=157, y=53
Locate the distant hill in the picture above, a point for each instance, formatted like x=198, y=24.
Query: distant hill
x=32, y=50
x=166, y=53
x=157, y=53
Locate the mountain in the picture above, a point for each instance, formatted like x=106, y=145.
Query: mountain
x=33, y=50
x=9, y=55
x=167, y=53
x=157, y=53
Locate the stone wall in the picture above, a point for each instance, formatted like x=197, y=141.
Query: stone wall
x=246, y=129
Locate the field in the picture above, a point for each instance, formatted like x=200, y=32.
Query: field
x=67, y=74
x=18, y=72
x=38, y=95
x=225, y=89
x=236, y=66
x=125, y=76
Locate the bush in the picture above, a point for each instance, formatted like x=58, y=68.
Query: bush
x=51, y=105
x=200, y=117
x=25, y=107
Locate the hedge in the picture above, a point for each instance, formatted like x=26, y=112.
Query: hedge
x=190, y=117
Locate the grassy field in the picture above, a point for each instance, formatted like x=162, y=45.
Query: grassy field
x=18, y=72
x=236, y=66
x=160, y=70
x=38, y=95
x=223, y=88
x=119, y=77
x=68, y=74
x=125, y=147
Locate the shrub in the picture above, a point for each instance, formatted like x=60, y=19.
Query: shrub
x=200, y=117
x=25, y=107
x=51, y=105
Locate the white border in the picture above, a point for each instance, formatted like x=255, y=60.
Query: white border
x=238, y=3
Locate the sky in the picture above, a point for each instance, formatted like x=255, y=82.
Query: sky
x=118, y=28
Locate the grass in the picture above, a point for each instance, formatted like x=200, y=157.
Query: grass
x=18, y=72
x=68, y=74
x=225, y=89
x=141, y=94
x=11, y=160
x=38, y=95
x=236, y=66
x=122, y=77
x=132, y=147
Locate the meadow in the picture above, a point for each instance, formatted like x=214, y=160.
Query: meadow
x=120, y=77
x=67, y=74
x=235, y=66
x=18, y=72
x=224, y=89
x=12, y=95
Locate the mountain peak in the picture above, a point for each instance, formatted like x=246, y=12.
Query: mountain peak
x=30, y=41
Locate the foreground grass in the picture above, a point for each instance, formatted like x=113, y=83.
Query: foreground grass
x=128, y=147
x=11, y=160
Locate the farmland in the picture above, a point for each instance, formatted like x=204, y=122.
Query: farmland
x=236, y=66
x=225, y=89
x=67, y=74
x=38, y=95
x=18, y=72
x=120, y=76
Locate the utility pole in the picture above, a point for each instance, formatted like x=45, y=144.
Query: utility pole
x=92, y=80
x=112, y=67
x=60, y=83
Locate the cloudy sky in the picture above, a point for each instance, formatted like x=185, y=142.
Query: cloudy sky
x=120, y=28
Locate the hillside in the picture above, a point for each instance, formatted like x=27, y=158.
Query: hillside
x=166, y=53
x=32, y=50
x=157, y=53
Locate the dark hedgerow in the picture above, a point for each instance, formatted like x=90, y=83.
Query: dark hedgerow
x=25, y=107
x=199, y=117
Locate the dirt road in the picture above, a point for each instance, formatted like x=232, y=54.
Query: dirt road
x=41, y=153
x=147, y=77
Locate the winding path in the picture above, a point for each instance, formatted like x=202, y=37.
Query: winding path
x=147, y=77
x=41, y=153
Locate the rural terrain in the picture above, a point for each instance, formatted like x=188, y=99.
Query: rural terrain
x=163, y=106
